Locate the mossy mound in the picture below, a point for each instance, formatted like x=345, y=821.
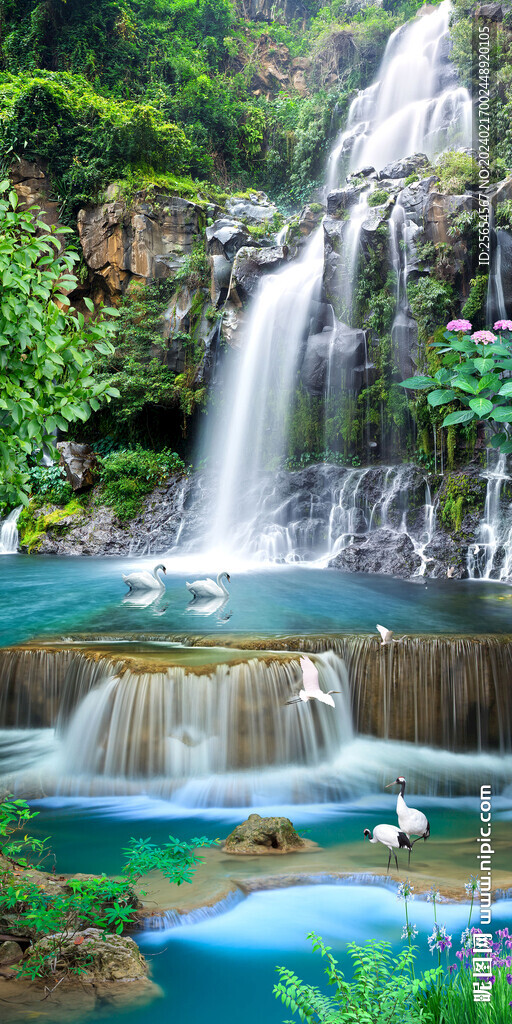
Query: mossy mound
x=260, y=835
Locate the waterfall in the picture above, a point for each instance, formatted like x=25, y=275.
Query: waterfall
x=9, y=533
x=294, y=346
x=495, y=307
x=491, y=556
x=214, y=735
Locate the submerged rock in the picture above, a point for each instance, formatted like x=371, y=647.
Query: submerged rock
x=260, y=835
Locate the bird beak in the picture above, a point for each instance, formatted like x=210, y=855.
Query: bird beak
x=165, y=570
x=389, y=784
x=229, y=579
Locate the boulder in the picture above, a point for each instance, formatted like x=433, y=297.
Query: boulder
x=138, y=243
x=257, y=209
x=342, y=198
x=249, y=266
x=260, y=835
x=102, y=957
x=438, y=210
x=220, y=278
x=413, y=198
x=403, y=168
x=382, y=551
x=225, y=237
x=331, y=357
x=80, y=464
x=33, y=187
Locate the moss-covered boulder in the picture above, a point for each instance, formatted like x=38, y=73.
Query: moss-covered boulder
x=260, y=835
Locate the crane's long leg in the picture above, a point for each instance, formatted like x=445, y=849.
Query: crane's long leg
x=396, y=862
x=389, y=860
x=409, y=861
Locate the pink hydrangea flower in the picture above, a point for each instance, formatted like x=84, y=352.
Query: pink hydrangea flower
x=459, y=325
x=503, y=325
x=483, y=337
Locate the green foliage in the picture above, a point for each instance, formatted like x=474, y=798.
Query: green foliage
x=378, y=197
x=50, y=484
x=503, y=215
x=474, y=306
x=411, y=178
x=431, y=303
x=457, y=171
x=383, y=988
x=32, y=907
x=459, y=496
x=34, y=522
x=476, y=375
x=47, y=352
x=127, y=476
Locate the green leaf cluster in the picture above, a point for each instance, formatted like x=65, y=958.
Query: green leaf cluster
x=47, y=350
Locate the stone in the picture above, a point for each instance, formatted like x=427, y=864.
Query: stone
x=403, y=168
x=343, y=198
x=256, y=210
x=404, y=338
x=103, y=957
x=439, y=209
x=282, y=11
x=260, y=836
x=383, y=552
x=141, y=242
x=330, y=358
x=10, y=953
x=33, y=188
x=493, y=11
x=413, y=198
x=250, y=264
x=225, y=237
x=80, y=464
x=220, y=278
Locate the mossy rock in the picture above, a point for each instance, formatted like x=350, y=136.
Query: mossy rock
x=260, y=835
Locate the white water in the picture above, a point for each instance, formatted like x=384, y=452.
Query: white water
x=491, y=556
x=250, y=433
x=9, y=533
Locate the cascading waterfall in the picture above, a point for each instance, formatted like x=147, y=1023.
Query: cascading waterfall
x=9, y=539
x=291, y=327
x=491, y=556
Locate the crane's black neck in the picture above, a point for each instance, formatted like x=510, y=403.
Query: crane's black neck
x=402, y=789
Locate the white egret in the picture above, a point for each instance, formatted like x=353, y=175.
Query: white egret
x=145, y=580
x=390, y=836
x=410, y=820
x=208, y=587
x=312, y=689
x=387, y=636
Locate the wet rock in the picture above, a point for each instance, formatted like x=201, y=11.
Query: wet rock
x=343, y=198
x=415, y=164
x=413, y=198
x=493, y=12
x=225, y=237
x=383, y=552
x=123, y=244
x=99, y=532
x=220, y=279
x=404, y=338
x=260, y=835
x=256, y=210
x=330, y=358
x=251, y=264
x=103, y=957
x=439, y=209
x=33, y=188
x=80, y=464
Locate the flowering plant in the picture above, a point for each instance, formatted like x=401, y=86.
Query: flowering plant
x=475, y=372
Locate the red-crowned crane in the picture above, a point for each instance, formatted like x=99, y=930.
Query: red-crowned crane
x=411, y=821
x=390, y=836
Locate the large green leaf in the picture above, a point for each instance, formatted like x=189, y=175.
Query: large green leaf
x=498, y=440
x=482, y=406
x=502, y=415
x=506, y=448
x=440, y=397
x=465, y=416
x=468, y=384
x=506, y=389
x=418, y=383
x=484, y=365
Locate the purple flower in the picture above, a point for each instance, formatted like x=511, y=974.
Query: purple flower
x=444, y=943
x=460, y=953
x=508, y=943
x=503, y=933
x=452, y=968
x=503, y=325
x=483, y=337
x=509, y=979
x=459, y=325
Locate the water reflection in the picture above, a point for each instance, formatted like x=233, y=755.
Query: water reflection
x=210, y=606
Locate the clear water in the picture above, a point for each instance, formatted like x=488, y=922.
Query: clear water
x=57, y=596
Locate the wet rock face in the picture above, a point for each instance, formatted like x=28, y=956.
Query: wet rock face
x=79, y=463
x=140, y=243
x=415, y=164
x=225, y=237
x=260, y=835
x=256, y=210
x=383, y=552
x=250, y=264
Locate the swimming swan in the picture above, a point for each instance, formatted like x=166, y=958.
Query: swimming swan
x=208, y=588
x=145, y=580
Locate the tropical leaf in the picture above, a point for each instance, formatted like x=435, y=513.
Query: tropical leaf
x=440, y=397
x=482, y=406
x=464, y=416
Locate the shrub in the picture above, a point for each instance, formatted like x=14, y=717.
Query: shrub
x=457, y=171
x=127, y=476
x=378, y=197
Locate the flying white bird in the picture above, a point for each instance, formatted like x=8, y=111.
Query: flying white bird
x=411, y=821
x=208, y=588
x=387, y=636
x=312, y=689
x=392, y=837
x=145, y=580
x=476, y=549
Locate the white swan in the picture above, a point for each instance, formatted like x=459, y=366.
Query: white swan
x=208, y=588
x=145, y=580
